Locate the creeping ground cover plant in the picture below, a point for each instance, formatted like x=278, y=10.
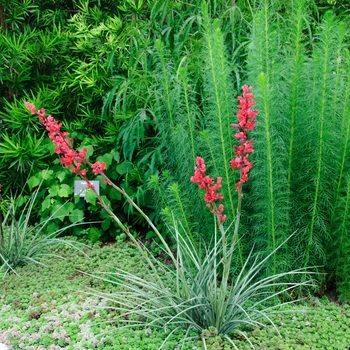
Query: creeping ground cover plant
x=195, y=289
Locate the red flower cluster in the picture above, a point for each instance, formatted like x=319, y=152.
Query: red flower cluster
x=246, y=117
x=68, y=156
x=206, y=183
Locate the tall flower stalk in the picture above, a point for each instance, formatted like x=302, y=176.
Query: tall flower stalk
x=246, y=122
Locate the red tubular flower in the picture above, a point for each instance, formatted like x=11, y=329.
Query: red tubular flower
x=68, y=156
x=246, y=117
x=98, y=168
x=207, y=183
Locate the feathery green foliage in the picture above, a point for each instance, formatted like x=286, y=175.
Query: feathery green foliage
x=319, y=144
x=301, y=149
x=268, y=200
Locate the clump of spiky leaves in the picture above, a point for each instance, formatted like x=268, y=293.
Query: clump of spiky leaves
x=22, y=243
x=192, y=294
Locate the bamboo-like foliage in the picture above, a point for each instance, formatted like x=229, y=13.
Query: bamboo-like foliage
x=183, y=89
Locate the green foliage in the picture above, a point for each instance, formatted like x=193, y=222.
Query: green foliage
x=150, y=85
x=298, y=146
x=194, y=295
x=22, y=243
x=268, y=201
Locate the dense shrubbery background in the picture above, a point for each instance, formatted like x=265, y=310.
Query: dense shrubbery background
x=147, y=85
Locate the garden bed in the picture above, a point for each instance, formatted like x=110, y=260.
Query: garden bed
x=51, y=307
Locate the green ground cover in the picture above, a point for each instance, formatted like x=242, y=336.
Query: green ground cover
x=50, y=307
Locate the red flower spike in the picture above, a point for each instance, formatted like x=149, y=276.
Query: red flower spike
x=207, y=183
x=246, y=117
x=68, y=156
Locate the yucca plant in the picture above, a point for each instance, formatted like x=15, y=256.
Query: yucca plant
x=22, y=243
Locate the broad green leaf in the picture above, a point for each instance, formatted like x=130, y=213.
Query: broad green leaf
x=78, y=230
x=124, y=167
x=52, y=226
x=93, y=234
x=76, y=216
x=116, y=156
x=114, y=194
x=65, y=190
x=90, y=151
x=60, y=211
x=106, y=223
x=33, y=182
x=90, y=196
x=61, y=175
x=150, y=234
x=106, y=158
x=46, y=204
x=47, y=174
x=53, y=190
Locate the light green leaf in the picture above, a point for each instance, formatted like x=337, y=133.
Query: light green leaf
x=53, y=190
x=33, y=182
x=124, y=167
x=60, y=211
x=90, y=196
x=64, y=190
x=46, y=174
x=90, y=151
x=76, y=216
x=46, y=204
x=106, y=158
x=93, y=234
x=61, y=175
